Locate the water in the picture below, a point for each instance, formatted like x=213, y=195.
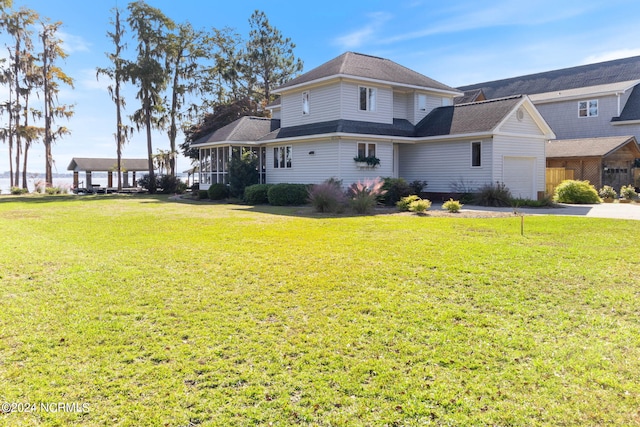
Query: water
x=63, y=182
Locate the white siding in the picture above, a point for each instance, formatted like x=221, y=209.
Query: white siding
x=432, y=103
x=330, y=158
x=350, y=104
x=532, y=147
x=401, y=104
x=525, y=126
x=445, y=163
x=324, y=104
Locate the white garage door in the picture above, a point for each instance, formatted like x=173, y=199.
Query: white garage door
x=519, y=175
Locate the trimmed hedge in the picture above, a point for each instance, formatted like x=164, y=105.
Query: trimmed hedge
x=287, y=194
x=257, y=194
x=218, y=192
x=574, y=191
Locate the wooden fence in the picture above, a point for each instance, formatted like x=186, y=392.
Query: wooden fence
x=555, y=176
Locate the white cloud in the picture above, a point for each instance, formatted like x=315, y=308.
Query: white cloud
x=365, y=34
x=72, y=44
x=609, y=56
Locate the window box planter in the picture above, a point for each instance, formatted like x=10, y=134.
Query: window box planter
x=366, y=162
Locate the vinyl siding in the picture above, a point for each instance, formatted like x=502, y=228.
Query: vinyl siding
x=324, y=104
x=401, y=106
x=526, y=126
x=432, y=103
x=563, y=118
x=532, y=146
x=331, y=158
x=445, y=163
x=350, y=101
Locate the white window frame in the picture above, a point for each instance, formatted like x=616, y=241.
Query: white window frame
x=369, y=149
x=585, y=108
x=305, y=103
x=446, y=102
x=283, y=157
x=370, y=98
x=422, y=102
x=471, y=147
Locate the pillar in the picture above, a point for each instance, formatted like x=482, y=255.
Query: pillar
x=109, y=179
x=88, y=183
x=75, y=179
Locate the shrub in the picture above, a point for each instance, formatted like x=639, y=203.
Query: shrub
x=287, y=194
x=493, y=195
x=452, y=206
x=17, y=191
x=607, y=192
x=628, y=192
x=364, y=195
x=202, y=194
x=256, y=194
x=396, y=189
x=417, y=186
x=328, y=196
x=169, y=184
x=572, y=191
x=420, y=206
x=53, y=190
x=403, y=204
x=218, y=192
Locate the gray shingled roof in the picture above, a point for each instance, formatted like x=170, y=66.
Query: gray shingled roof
x=245, y=129
x=105, y=165
x=589, y=147
x=476, y=117
x=400, y=127
x=631, y=109
x=370, y=67
x=601, y=73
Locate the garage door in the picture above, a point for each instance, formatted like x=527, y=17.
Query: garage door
x=520, y=176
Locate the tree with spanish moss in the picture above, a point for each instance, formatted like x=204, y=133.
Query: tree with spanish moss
x=53, y=76
x=117, y=75
x=148, y=72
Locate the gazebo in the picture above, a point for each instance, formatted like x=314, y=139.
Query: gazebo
x=89, y=165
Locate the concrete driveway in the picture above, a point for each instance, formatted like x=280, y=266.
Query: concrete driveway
x=602, y=210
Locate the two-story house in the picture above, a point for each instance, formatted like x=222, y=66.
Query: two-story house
x=594, y=109
x=363, y=106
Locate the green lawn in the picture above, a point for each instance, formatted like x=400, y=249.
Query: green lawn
x=156, y=313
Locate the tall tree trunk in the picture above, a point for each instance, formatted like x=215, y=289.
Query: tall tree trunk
x=172, y=129
x=152, y=176
x=24, y=165
x=119, y=134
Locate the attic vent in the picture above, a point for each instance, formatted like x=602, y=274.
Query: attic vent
x=520, y=114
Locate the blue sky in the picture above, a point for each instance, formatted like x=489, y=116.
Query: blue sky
x=455, y=42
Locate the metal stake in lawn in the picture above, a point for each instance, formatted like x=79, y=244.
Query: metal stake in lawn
x=515, y=212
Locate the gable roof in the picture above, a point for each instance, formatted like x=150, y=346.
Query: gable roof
x=106, y=164
x=602, y=73
x=475, y=117
x=247, y=129
x=589, y=147
x=357, y=65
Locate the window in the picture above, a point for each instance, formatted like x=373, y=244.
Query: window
x=305, y=103
x=476, y=154
x=367, y=98
x=446, y=102
x=282, y=157
x=588, y=108
x=422, y=102
x=366, y=150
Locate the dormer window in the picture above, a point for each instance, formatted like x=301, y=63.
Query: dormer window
x=305, y=103
x=367, y=98
x=422, y=102
x=588, y=108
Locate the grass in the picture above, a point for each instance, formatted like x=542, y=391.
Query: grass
x=161, y=313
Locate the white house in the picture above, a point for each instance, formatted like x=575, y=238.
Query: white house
x=359, y=106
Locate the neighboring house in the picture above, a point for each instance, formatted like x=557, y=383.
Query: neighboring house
x=585, y=102
x=363, y=106
x=601, y=161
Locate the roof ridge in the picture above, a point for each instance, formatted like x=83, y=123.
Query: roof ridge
x=486, y=101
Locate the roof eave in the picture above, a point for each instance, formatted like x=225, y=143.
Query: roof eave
x=452, y=92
